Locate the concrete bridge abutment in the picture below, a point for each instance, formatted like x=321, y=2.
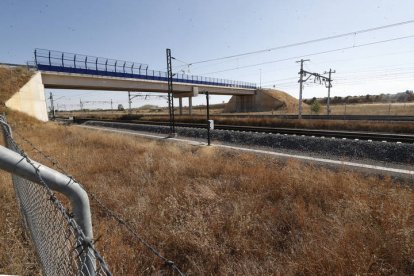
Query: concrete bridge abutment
x=30, y=99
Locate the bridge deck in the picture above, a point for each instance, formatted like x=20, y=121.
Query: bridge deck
x=54, y=61
x=61, y=80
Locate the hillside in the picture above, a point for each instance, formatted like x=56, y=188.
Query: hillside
x=287, y=102
x=263, y=100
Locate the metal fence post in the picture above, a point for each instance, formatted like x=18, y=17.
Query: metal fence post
x=34, y=183
x=14, y=163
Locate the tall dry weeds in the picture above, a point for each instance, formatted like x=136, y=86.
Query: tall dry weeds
x=16, y=253
x=377, y=126
x=226, y=212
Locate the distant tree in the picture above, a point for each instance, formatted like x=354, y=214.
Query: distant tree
x=121, y=107
x=316, y=107
x=336, y=100
x=402, y=97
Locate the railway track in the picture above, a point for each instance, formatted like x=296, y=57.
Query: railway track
x=390, y=118
x=333, y=134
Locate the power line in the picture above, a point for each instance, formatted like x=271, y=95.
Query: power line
x=307, y=42
x=90, y=93
x=363, y=74
x=348, y=59
x=182, y=61
x=351, y=79
x=312, y=54
x=364, y=57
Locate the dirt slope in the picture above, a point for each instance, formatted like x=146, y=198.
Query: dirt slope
x=287, y=101
x=263, y=100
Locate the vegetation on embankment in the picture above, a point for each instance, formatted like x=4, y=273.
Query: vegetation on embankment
x=11, y=80
x=224, y=212
x=374, y=126
x=401, y=97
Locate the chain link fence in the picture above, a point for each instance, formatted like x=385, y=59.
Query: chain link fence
x=61, y=245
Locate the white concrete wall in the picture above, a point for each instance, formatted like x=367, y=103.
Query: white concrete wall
x=30, y=99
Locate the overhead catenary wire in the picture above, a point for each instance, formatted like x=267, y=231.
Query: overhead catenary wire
x=349, y=59
x=369, y=72
x=311, y=54
x=346, y=79
x=307, y=42
x=359, y=75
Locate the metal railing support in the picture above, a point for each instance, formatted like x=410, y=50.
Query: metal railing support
x=18, y=165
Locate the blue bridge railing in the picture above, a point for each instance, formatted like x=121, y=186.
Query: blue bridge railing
x=48, y=60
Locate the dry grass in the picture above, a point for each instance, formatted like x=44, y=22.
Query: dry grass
x=224, y=212
x=198, y=110
x=373, y=109
x=375, y=126
x=11, y=79
x=16, y=254
x=219, y=212
x=292, y=109
x=347, y=109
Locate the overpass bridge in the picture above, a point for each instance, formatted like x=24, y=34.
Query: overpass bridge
x=73, y=71
x=61, y=70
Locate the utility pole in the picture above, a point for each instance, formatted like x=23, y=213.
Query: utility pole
x=170, y=93
x=301, y=81
x=346, y=101
x=260, y=78
x=208, y=119
x=130, y=98
x=52, y=106
x=328, y=107
x=111, y=105
x=81, y=104
x=129, y=102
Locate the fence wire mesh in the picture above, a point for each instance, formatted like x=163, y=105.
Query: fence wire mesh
x=61, y=246
x=111, y=213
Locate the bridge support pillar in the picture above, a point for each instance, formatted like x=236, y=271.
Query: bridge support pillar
x=180, y=103
x=190, y=105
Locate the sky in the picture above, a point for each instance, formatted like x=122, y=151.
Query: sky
x=196, y=30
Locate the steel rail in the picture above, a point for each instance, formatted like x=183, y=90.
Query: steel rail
x=393, y=118
x=360, y=135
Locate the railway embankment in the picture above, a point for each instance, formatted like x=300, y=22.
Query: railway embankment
x=387, y=152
